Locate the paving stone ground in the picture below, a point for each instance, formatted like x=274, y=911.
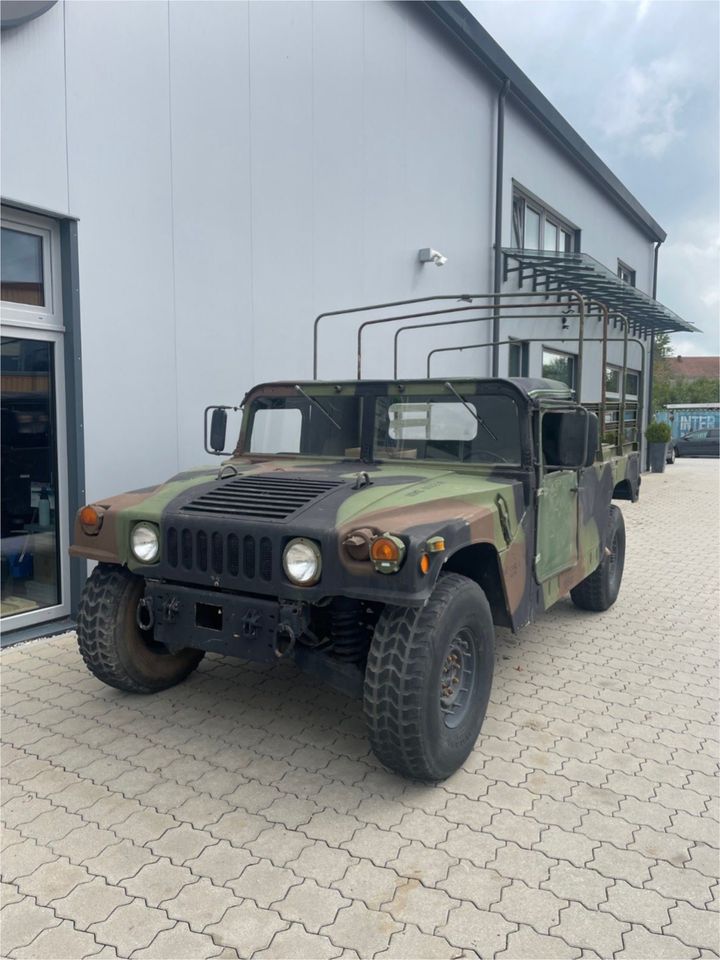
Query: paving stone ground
x=241, y=814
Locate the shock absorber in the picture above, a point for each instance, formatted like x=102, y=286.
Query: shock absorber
x=348, y=630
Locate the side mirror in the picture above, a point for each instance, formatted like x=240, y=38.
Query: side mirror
x=218, y=430
x=569, y=438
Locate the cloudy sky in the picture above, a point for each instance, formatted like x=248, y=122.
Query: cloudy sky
x=639, y=80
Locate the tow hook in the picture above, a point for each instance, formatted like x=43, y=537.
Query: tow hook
x=145, y=615
x=284, y=641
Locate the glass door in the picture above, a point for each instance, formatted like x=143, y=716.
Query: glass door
x=34, y=565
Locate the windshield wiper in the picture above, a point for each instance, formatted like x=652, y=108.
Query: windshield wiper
x=320, y=407
x=474, y=412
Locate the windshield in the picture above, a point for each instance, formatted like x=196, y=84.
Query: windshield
x=464, y=428
x=309, y=426
x=467, y=429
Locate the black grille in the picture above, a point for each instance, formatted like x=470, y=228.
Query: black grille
x=219, y=553
x=261, y=497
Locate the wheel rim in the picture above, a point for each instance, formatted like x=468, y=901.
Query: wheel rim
x=457, y=678
x=614, y=561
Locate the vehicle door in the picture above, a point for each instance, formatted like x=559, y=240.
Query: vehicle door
x=693, y=444
x=556, y=542
x=713, y=443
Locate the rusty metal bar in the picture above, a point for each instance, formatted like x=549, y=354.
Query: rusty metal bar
x=449, y=323
x=433, y=313
x=603, y=382
x=477, y=346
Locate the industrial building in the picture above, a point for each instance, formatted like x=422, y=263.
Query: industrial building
x=186, y=185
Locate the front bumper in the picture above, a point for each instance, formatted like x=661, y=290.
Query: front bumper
x=232, y=624
x=242, y=625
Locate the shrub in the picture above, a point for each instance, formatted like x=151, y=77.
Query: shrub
x=658, y=432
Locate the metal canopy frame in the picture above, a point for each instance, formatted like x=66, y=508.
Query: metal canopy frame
x=562, y=303
x=552, y=271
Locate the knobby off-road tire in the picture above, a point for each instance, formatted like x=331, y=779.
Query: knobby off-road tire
x=113, y=647
x=420, y=722
x=599, y=591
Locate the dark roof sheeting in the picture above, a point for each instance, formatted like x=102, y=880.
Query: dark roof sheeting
x=581, y=272
x=463, y=25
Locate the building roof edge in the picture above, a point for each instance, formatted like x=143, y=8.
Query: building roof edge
x=456, y=18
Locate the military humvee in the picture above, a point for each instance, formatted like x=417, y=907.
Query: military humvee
x=372, y=532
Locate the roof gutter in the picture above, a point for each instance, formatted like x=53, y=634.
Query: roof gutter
x=497, y=285
x=458, y=20
x=651, y=364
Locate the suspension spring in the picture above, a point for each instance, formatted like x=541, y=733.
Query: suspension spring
x=348, y=630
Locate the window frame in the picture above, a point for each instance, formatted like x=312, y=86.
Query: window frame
x=524, y=365
x=49, y=316
x=521, y=199
x=623, y=268
x=573, y=357
x=615, y=394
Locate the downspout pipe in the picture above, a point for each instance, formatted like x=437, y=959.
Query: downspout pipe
x=500, y=155
x=651, y=365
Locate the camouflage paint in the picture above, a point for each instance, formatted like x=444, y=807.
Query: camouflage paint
x=467, y=504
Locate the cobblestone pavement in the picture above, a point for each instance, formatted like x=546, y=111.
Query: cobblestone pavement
x=241, y=814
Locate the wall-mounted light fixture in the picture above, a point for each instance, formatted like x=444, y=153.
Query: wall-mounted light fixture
x=428, y=255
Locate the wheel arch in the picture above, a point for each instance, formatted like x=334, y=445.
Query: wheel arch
x=625, y=490
x=480, y=562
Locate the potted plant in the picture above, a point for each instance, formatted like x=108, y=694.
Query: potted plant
x=658, y=436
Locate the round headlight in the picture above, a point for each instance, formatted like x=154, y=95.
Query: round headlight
x=301, y=561
x=145, y=543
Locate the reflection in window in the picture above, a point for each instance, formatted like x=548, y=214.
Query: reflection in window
x=29, y=545
x=559, y=366
x=22, y=267
x=531, y=240
x=518, y=359
x=551, y=236
x=613, y=378
x=536, y=228
x=626, y=274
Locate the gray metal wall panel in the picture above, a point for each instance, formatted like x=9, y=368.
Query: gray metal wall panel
x=238, y=168
x=212, y=212
x=119, y=139
x=32, y=147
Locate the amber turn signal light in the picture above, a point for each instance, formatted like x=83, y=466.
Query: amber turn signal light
x=387, y=553
x=90, y=520
x=424, y=563
x=385, y=550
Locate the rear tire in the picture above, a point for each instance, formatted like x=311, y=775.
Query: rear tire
x=599, y=591
x=428, y=680
x=670, y=455
x=112, y=645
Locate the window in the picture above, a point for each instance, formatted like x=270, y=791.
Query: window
x=487, y=430
x=518, y=359
x=535, y=227
x=626, y=273
x=22, y=267
x=559, y=366
x=612, y=383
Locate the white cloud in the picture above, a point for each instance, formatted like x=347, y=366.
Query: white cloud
x=690, y=273
x=642, y=112
x=642, y=9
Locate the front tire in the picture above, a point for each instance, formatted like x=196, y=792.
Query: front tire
x=670, y=455
x=112, y=645
x=599, y=591
x=428, y=680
